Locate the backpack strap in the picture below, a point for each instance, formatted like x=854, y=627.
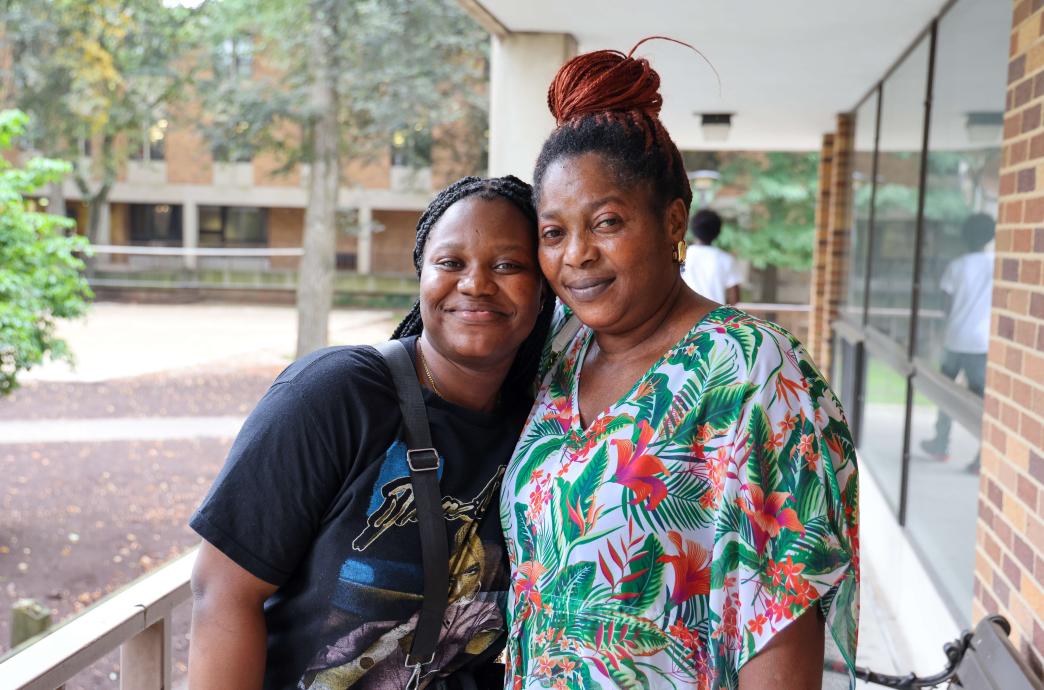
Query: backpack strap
x=423, y=460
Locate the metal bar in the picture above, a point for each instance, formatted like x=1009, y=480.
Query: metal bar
x=80, y=641
x=869, y=265
x=915, y=288
x=134, y=250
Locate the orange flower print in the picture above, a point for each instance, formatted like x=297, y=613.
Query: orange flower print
x=637, y=470
x=786, y=387
x=691, y=568
x=768, y=516
x=757, y=624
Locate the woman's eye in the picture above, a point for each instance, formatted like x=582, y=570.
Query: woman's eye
x=508, y=266
x=451, y=264
x=548, y=234
x=607, y=222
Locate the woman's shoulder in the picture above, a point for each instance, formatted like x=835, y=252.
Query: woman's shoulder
x=336, y=370
x=760, y=342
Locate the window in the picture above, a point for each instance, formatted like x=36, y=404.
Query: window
x=234, y=57
x=411, y=147
x=897, y=195
x=862, y=195
x=155, y=224
x=152, y=145
x=232, y=226
x=884, y=416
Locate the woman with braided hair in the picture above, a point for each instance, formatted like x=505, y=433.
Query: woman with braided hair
x=681, y=508
x=310, y=574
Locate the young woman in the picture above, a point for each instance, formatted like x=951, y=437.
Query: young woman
x=681, y=507
x=310, y=573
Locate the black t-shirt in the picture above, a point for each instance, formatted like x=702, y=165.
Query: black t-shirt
x=315, y=497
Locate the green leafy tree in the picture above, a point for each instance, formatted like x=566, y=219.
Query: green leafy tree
x=777, y=225
x=340, y=79
x=40, y=273
x=98, y=75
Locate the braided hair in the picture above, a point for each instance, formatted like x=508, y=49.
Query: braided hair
x=524, y=369
x=609, y=103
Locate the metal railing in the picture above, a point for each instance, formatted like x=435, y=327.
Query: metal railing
x=136, y=620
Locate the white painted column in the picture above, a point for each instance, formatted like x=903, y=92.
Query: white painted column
x=522, y=66
x=364, y=250
x=104, y=224
x=190, y=231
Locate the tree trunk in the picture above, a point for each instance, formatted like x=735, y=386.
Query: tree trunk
x=56, y=199
x=769, y=284
x=316, y=273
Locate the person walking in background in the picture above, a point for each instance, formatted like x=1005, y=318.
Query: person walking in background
x=709, y=271
x=968, y=285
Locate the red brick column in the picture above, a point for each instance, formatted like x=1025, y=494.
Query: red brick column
x=1009, y=569
x=839, y=226
x=818, y=325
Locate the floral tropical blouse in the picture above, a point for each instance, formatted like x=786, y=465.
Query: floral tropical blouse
x=664, y=545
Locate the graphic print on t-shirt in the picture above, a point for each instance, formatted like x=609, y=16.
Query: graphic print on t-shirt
x=374, y=651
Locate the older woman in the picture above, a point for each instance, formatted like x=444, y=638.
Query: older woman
x=681, y=507
x=311, y=574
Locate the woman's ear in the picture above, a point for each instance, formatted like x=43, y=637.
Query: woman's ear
x=677, y=218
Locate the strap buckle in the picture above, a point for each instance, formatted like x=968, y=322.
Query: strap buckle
x=423, y=459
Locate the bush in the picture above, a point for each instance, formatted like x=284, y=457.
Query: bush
x=41, y=277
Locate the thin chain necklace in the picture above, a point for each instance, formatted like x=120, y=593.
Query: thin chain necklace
x=427, y=371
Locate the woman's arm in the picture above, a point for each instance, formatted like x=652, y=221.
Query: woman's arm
x=793, y=659
x=228, y=641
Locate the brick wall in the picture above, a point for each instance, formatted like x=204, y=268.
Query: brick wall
x=818, y=324
x=835, y=202
x=393, y=246
x=1009, y=568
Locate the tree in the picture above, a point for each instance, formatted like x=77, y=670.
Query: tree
x=776, y=228
x=780, y=203
x=355, y=74
x=40, y=273
x=95, y=77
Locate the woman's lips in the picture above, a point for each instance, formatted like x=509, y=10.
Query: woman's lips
x=588, y=289
x=477, y=315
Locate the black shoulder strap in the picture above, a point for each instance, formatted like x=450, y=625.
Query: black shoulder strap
x=424, y=477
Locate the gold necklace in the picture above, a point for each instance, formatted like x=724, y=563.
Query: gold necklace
x=427, y=371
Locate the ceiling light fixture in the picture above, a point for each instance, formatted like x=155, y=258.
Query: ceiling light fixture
x=716, y=126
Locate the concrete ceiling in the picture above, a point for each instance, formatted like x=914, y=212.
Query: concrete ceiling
x=787, y=66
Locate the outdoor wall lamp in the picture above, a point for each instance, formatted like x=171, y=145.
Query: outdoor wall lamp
x=716, y=126
x=984, y=127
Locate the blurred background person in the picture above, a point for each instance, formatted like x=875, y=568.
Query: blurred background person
x=710, y=271
x=968, y=285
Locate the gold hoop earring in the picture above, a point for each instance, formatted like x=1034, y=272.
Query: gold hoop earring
x=678, y=253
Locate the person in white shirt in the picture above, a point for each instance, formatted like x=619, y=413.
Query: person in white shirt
x=968, y=285
x=709, y=271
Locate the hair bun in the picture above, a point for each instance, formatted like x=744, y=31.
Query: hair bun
x=601, y=81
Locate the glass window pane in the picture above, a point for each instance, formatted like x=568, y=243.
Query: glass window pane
x=862, y=188
x=963, y=179
x=942, y=497
x=897, y=195
x=881, y=437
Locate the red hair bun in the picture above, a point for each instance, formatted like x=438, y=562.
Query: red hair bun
x=601, y=81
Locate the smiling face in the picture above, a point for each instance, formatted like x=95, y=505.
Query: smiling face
x=479, y=284
x=603, y=247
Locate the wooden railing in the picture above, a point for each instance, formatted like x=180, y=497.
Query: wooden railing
x=136, y=620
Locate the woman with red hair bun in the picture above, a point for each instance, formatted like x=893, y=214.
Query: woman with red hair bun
x=681, y=508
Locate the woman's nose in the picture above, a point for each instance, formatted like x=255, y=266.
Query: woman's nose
x=476, y=281
x=578, y=249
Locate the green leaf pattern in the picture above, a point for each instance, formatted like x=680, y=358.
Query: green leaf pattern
x=666, y=544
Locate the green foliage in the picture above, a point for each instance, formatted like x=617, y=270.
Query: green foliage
x=403, y=69
x=40, y=279
x=104, y=72
x=778, y=224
